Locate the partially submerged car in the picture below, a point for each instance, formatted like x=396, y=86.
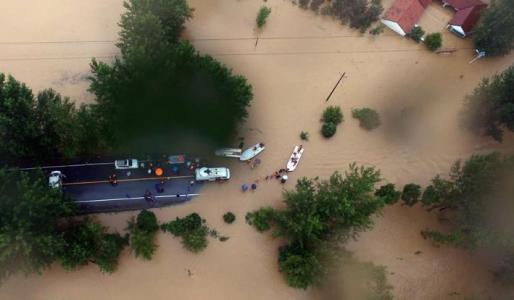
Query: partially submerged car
x=212, y=174
x=55, y=179
x=125, y=164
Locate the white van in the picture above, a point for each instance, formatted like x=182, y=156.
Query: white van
x=212, y=174
x=125, y=164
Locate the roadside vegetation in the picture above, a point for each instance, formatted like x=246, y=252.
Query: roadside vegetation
x=494, y=32
x=477, y=201
x=368, y=118
x=489, y=110
x=191, y=229
x=229, y=217
x=416, y=34
x=262, y=16
x=332, y=116
x=319, y=216
x=142, y=234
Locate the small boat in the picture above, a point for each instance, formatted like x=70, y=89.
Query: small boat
x=293, y=161
x=228, y=152
x=252, y=152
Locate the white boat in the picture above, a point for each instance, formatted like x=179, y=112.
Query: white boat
x=293, y=161
x=252, y=152
x=229, y=152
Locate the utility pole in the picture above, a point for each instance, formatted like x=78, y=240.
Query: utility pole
x=341, y=78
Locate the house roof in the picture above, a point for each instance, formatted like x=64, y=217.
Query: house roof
x=467, y=18
x=405, y=12
x=462, y=4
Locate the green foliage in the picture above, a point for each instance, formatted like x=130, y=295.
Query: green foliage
x=229, y=217
x=416, y=34
x=142, y=234
x=262, y=16
x=434, y=41
x=494, y=32
x=88, y=241
x=411, y=193
x=191, y=229
x=333, y=114
x=42, y=128
x=328, y=129
x=388, y=193
x=360, y=14
x=29, y=217
x=316, y=4
x=173, y=78
x=435, y=193
x=368, y=118
x=377, y=30
x=261, y=218
x=490, y=109
x=304, y=136
x=317, y=214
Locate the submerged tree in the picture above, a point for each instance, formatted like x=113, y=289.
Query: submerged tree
x=142, y=234
x=318, y=216
x=490, y=109
x=494, y=33
x=161, y=91
x=262, y=16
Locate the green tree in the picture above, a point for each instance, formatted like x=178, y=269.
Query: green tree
x=388, y=193
x=30, y=212
x=142, y=234
x=416, y=34
x=304, y=136
x=333, y=114
x=185, y=93
x=318, y=215
x=434, y=41
x=191, y=229
x=368, y=118
x=261, y=218
x=411, y=193
x=360, y=14
x=494, y=32
x=229, y=217
x=262, y=16
x=328, y=129
x=490, y=109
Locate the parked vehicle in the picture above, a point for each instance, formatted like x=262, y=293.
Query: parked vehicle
x=125, y=164
x=55, y=179
x=212, y=174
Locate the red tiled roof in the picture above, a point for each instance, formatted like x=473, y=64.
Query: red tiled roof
x=462, y=4
x=425, y=3
x=467, y=18
x=405, y=12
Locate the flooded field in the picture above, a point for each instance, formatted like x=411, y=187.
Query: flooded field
x=292, y=63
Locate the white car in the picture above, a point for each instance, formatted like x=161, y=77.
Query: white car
x=124, y=164
x=55, y=179
x=212, y=174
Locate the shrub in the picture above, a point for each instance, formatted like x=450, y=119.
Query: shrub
x=377, y=30
x=416, y=34
x=368, y=118
x=388, y=193
x=229, y=217
x=328, y=129
x=261, y=218
x=304, y=136
x=142, y=234
x=333, y=114
x=411, y=193
x=262, y=16
x=147, y=221
x=434, y=41
x=191, y=229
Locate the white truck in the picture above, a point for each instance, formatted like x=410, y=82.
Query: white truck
x=212, y=174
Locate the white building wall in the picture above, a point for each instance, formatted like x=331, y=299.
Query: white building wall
x=393, y=26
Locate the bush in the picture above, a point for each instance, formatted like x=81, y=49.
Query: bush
x=192, y=231
x=261, y=218
x=229, y=217
x=368, y=118
x=388, y=193
x=377, y=30
x=328, y=129
x=147, y=221
x=416, y=34
x=304, y=136
x=142, y=234
x=434, y=41
x=262, y=16
x=333, y=114
x=411, y=193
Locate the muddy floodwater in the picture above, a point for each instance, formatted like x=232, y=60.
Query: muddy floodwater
x=292, y=63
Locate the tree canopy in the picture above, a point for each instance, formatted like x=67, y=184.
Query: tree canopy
x=319, y=215
x=490, y=109
x=494, y=32
x=161, y=91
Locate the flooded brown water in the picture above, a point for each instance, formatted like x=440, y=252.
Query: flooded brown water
x=295, y=63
